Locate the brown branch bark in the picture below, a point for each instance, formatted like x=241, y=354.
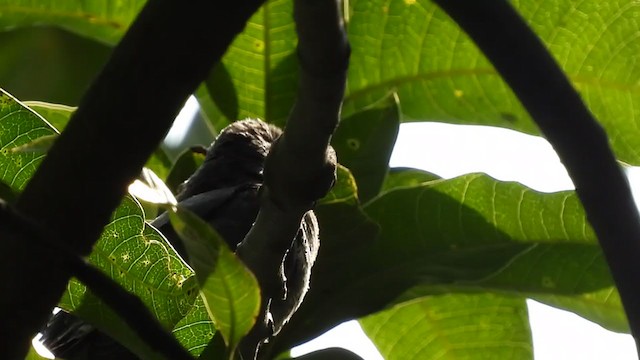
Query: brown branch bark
x=127, y=110
x=546, y=93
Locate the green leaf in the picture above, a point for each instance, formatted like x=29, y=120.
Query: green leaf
x=230, y=291
x=18, y=126
x=258, y=72
x=477, y=213
x=601, y=306
x=403, y=177
x=160, y=163
x=453, y=326
x=344, y=190
x=470, y=234
x=196, y=329
x=139, y=258
x=187, y=163
x=131, y=252
x=411, y=47
x=363, y=143
x=105, y=21
x=56, y=114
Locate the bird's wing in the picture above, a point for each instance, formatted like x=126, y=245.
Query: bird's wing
x=231, y=211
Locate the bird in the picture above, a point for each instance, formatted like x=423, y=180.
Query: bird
x=225, y=192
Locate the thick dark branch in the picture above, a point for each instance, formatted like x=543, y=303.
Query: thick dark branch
x=122, y=118
x=300, y=168
x=580, y=141
x=129, y=307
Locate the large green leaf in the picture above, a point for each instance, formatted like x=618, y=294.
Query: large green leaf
x=476, y=213
x=403, y=177
x=130, y=251
x=413, y=48
x=19, y=126
x=363, y=143
x=453, y=326
x=56, y=114
x=257, y=76
x=404, y=46
x=195, y=330
x=601, y=306
x=230, y=291
x=470, y=234
x=137, y=257
x=105, y=21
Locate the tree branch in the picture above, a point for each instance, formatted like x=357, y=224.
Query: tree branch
x=130, y=106
x=542, y=87
x=300, y=168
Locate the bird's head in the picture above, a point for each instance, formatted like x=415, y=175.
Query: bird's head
x=236, y=157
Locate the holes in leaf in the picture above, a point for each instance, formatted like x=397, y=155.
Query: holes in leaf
x=353, y=144
x=258, y=45
x=548, y=282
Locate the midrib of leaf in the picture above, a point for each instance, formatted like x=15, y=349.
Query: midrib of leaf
x=267, y=57
x=577, y=80
x=127, y=273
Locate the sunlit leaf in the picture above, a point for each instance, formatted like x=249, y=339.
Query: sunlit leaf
x=130, y=251
x=56, y=114
x=401, y=177
x=196, y=329
x=230, y=291
x=257, y=76
x=137, y=257
x=18, y=126
x=453, y=326
x=413, y=48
